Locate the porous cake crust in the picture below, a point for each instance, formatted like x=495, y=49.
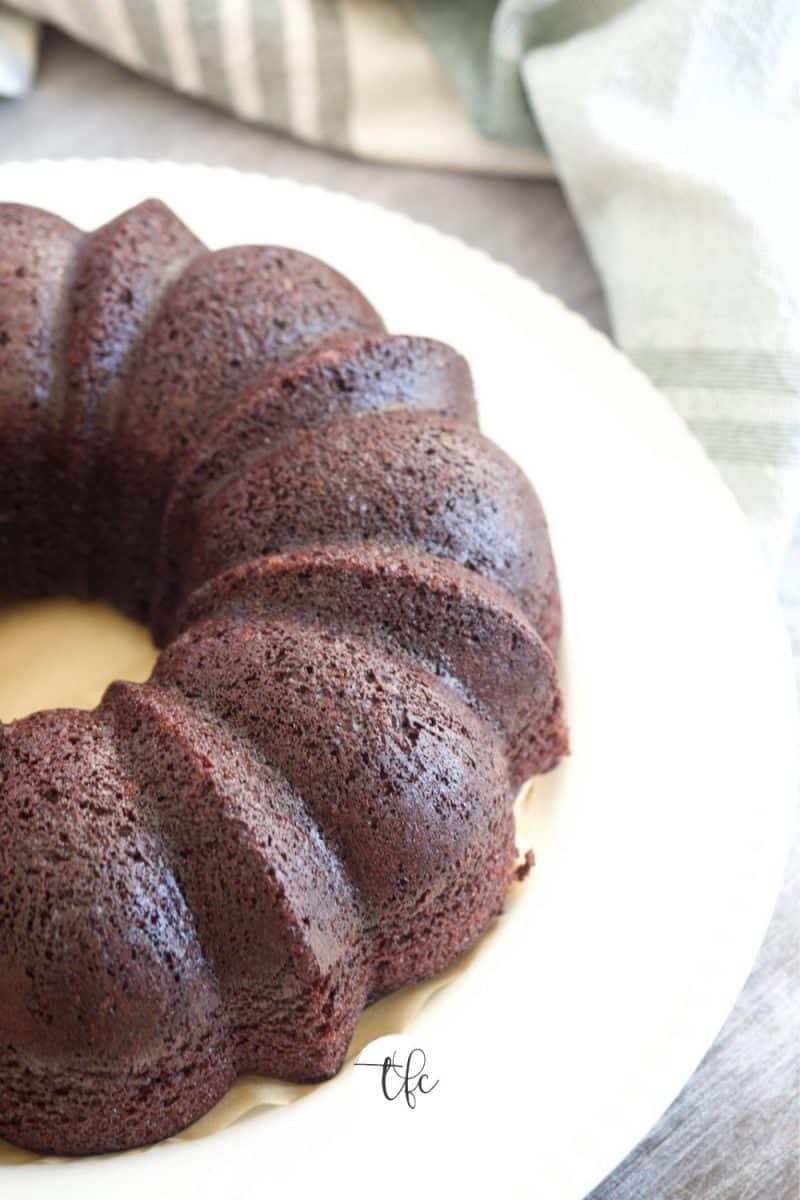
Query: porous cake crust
x=309, y=803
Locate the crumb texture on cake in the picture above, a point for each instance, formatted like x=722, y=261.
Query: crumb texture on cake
x=309, y=803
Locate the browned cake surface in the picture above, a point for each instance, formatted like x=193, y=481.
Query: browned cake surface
x=309, y=804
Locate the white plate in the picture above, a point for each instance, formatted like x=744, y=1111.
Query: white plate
x=660, y=843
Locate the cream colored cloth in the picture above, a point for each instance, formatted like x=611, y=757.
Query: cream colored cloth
x=673, y=125
x=354, y=74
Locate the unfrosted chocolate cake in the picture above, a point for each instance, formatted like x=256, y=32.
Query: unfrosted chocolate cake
x=309, y=803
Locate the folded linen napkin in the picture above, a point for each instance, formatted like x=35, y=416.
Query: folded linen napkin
x=673, y=125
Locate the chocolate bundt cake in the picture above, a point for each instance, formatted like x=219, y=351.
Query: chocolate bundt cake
x=310, y=801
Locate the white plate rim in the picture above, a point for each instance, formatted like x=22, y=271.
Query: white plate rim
x=598, y=1159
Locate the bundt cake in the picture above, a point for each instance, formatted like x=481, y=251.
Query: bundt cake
x=310, y=801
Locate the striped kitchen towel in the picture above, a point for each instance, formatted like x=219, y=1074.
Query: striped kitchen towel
x=673, y=125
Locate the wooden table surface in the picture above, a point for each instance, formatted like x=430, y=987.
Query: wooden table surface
x=732, y=1133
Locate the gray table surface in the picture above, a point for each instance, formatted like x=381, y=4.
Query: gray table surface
x=732, y=1134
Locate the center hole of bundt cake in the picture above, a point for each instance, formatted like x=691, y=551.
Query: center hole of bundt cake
x=63, y=653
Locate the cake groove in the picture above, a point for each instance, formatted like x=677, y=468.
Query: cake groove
x=102, y=975
x=228, y=316
x=37, y=251
x=233, y=830
x=380, y=704
x=462, y=628
x=122, y=271
x=401, y=478
x=346, y=375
